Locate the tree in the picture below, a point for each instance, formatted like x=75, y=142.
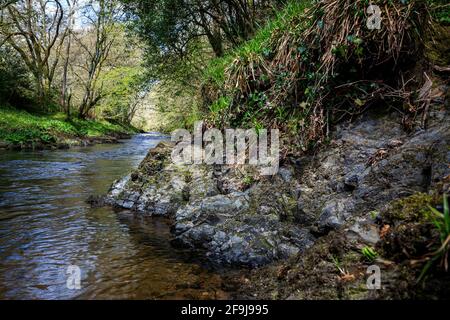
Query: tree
x=66, y=97
x=15, y=84
x=172, y=24
x=35, y=29
x=6, y=3
x=96, y=42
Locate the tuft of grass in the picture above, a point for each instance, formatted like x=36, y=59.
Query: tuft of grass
x=441, y=220
x=259, y=46
x=248, y=180
x=369, y=253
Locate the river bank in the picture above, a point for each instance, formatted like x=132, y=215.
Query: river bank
x=20, y=130
x=311, y=231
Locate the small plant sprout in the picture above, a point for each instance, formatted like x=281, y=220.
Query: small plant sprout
x=369, y=253
x=345, y=275
x=374, y=214
x=441, y=221
x=248, y=180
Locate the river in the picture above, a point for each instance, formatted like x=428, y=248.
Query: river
x=46, y=226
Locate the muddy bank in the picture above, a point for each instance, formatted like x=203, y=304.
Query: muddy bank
x=309, y=224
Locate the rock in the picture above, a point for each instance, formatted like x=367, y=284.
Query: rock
x=365, y=230
x=118, y=187
x=134, y=176
x=4, y=145
x=285, y=174
x=351, y=182
x=335, y=213
x=96, y=201
x=62, y=145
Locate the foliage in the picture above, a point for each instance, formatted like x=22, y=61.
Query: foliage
x=440, y=10
x=65, y=59
x=15, y=84
x=181, y=37
x=177, y=106
x=122, y=86
x=170, y=26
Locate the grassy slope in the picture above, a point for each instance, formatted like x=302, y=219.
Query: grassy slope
x=21, y=127
x=259, y=45
x=287, y=75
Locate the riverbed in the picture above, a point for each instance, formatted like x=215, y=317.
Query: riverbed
x=46, y=226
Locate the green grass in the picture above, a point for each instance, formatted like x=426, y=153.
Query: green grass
x=259, y=44
x=441, y=221
x=369, y=253
x=22, y=127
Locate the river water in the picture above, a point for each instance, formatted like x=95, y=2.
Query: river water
x=46, y=226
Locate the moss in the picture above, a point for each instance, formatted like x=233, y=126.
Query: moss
x=438, y=46
x=248, y=180
x=156, y=159
x=187, y=176
x=289, y=205
x=411, y=232
x=409, y=209
x=351, y=258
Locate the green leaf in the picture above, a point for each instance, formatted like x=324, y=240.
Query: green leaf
x=359, y=102
x=436, y=212
x=446, y=214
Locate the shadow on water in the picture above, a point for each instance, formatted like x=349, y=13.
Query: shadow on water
x=45, y=226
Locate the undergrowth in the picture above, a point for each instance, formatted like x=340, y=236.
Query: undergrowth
x=317, y=63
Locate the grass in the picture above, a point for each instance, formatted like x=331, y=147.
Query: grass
x=441, y=220
x=18, y=127
x=369, y=253
x=259, y=45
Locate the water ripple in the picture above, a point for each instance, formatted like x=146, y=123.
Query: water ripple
x=45, y=225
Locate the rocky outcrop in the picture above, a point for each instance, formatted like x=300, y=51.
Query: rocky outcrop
x=234, y=215
x=368, y=164
x=239, y=217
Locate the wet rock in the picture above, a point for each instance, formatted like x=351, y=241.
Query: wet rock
x=335, y=213
x=62, y=145
x=365, y=231
x=118, y=187
x=96, y=201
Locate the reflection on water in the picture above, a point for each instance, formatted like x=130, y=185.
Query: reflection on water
x=45, y=226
